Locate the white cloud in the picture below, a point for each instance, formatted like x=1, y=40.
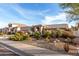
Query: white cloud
x=19, y=10
x=26, y=13
x=61, y=17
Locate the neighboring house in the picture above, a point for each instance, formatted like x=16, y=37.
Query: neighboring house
x=41, y=28
x=38, y=28
x=56, y=26
x=16, y=27
x=0, y=29
x=5, y=30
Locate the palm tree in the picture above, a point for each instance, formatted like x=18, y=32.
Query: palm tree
x=72, y=10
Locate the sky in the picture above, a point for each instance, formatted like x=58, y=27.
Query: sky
x=32, y=14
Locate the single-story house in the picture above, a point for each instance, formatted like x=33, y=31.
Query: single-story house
x=56, y=26
x=16, y=27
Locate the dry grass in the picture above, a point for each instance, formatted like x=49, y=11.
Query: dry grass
x=57, y=46
x=60, y=45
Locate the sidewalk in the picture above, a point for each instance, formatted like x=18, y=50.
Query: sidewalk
x=28, y=50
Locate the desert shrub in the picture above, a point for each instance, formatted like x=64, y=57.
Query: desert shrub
x=26, y=37
x=62, y=33
x=66, y=47
x=54, y=33
x=67, y=34
x=12, y=38
x=1, y=33
x=37, y=35
x=59, y=33
x=47, y=35
x=19, y=37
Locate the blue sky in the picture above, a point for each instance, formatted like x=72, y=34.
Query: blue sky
x=31, y=14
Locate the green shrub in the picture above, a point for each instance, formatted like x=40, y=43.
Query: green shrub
x=26, y=37
x=37, y=35
x=12, y=38
x=19, y=37
x=59, y=33
x=47, y=34
x=54, y=33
